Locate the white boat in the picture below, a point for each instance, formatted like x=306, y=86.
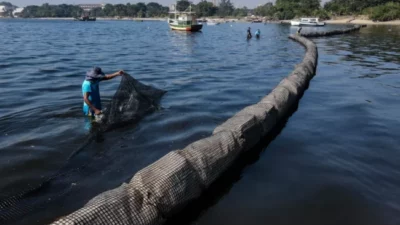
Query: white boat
x=212, y=23
x=307, y=22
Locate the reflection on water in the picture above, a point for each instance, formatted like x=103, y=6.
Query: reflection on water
x=209, y=76
x=336, y=161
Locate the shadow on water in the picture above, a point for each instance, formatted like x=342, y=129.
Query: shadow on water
x=332, y=204
x=53, y=188
x=210, y=77
x=380, y=44
x=225, y=182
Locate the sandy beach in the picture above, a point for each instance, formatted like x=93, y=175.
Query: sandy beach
x=352, y=20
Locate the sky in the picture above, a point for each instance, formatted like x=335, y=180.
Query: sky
x=237, y=3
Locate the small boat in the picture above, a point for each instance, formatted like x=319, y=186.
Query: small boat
x=85, y=18
x=212, y=23
x=307, y=22
x=183, y=21
x=201, y=20
x=256, y=21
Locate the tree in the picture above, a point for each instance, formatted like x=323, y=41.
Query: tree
x=132, y=10
x=182, y=5
x=265, y=10
x=346, y=7
x=142, y=9
x=97, y=12
x=241, y=12
x=47, y=10
x=109, y=10
x=225, y=8
x=288, y=9
x=155, y=10
x=205, y=8
x=120, y=10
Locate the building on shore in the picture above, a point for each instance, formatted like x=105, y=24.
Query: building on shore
x=4, y=10
x=17, y=12
x=89, y=7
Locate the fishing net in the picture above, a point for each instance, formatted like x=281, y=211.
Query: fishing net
x=162, y=189
x=131, y=102
x=165, y=187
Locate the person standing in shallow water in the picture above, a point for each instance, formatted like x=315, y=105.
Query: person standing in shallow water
x=249, y=33
x=258, y=33
x=91, y=91
x=299, y=30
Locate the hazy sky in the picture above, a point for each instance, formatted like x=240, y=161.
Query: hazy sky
x=237, y=3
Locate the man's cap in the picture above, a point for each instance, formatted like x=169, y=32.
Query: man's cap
x=95, y=73
x=98, y=71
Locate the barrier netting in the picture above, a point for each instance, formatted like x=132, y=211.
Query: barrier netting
x=131, y=102
x=333, y=32
x=159, y=191
x=164, y=188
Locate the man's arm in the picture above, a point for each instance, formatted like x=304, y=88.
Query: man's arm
x=111, y=76
x=91, y=106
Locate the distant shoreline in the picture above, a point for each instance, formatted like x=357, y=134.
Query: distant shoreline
x=356, y=21
x=98, y=18
x=342, y=20
x=362, y=21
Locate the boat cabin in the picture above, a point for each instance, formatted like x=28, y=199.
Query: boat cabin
x=309, y=20
x=182, y=19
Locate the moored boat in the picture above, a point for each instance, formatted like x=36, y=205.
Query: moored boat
x=257, y=21
x=307, y=22
x=183, y=21
x=212, y=23
x=85, y=18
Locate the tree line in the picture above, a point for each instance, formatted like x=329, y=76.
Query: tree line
x=288, y=9
x=381, y=10
x=141, y=10
x=282, y=9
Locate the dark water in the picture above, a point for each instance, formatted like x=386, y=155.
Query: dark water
x=336, y=156
x=337, y=159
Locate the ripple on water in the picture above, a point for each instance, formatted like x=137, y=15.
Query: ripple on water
x=208, y=76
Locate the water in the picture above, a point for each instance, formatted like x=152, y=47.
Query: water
x=340, y=144
x=336, y=161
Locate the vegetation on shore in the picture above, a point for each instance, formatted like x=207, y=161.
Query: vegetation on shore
x=380, y=10
x=289, y=9
x=377, y=10
x=386, y=12
x=140, y=10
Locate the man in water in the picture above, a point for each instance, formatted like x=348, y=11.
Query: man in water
x=299, y=30
x=249, y=33
x=258, y=33
x=91, y=92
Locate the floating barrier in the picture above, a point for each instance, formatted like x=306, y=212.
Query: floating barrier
x=333, y=32
x=165, y=187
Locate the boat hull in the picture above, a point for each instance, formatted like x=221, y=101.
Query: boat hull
x=298, y=23
x=212, y=23
x=192, y=28
x=85, y=19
